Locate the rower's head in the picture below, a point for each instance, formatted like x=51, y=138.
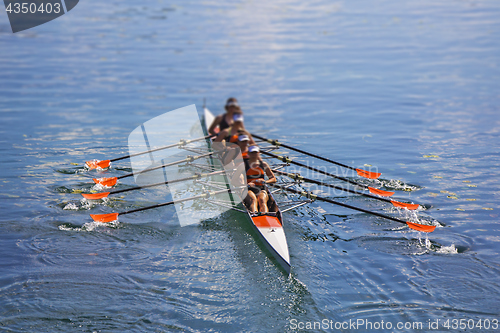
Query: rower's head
x=232, y=105
x=254, y=152
x=238, y=117
x=243, y=141
x=238, y=121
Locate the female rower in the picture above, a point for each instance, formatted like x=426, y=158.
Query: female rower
x=256, y=170
x=243, y=141
x=230, y=152
x=231, y=133
x=225, y=120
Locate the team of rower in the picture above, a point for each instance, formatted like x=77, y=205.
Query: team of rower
x=232, y=130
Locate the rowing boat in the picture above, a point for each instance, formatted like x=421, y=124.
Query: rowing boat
x=268, y=226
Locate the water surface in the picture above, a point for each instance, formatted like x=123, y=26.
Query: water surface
x=408, y=88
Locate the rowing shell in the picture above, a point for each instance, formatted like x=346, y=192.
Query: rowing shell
x=269, y=227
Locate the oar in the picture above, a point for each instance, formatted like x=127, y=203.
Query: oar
x=103, y=218
x=369, y=188
x=360, y=172
x=96, y=196
x=297, y=176
x=412, y=225
x=111, y=181
x=105, y=163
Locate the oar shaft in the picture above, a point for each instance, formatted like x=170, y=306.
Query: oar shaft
x=196, y=176
x=288, y=160
x=315, y=197
x=188, y=159
x=277, y=144
x=204, y=195
x=313, y=181
x=180, y=143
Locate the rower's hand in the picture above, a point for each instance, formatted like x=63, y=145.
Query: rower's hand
x=260, y=181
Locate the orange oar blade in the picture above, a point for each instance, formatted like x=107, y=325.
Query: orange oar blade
x=104, y=218
x=382, y=193
x=402, y=205
x=106, y=181
x=104, y=164
x=95, y=196
x=421, y=227
x=97, y=164
x=368, y=174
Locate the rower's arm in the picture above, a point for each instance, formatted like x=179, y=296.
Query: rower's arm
x=215, y=123
x=222, y=135
x=270, y=175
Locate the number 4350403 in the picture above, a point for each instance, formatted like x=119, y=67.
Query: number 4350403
x=471, y=324
x=32, y=8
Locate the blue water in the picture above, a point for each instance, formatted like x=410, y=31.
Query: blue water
x=408, y=88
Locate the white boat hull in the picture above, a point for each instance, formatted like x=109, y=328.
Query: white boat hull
x=269, y=228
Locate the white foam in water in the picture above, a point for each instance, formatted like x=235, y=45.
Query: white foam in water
x=448, y=249
x=65, y=228
x=89, y=204
x=399, y=185
x=408, y=215
x=83, y=170
x=428, y=244
x=70, y=206
x=98, y=187
x=438, y=249
x=84, y=204
x=89, y=226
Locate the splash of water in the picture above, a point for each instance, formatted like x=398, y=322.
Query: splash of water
x=89, y=226
x=99, y=187
x=448, y=249
x=432, y=247
x=71, y=206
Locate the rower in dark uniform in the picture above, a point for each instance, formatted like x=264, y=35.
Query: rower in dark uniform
x=231, y=133
x=225, y=120
x=256, y=170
